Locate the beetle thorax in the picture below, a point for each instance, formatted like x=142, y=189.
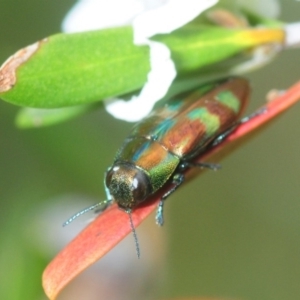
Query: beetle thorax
x=127, y=184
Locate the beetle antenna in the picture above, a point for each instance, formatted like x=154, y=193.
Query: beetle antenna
x=92, y=207
x=136, y=241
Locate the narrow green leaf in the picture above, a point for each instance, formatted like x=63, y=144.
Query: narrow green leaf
x=37, y=117
x=197, y=46
x=72, y=69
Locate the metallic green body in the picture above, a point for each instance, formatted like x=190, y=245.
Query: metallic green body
x=171, y=135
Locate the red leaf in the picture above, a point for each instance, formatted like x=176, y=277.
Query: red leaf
x=113, y=225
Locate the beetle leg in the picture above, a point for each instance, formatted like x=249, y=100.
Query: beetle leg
x=226, y=133
x=159, y=214
x=257, y=113
x=204, y=165
x=177, y=181
x=184, y=165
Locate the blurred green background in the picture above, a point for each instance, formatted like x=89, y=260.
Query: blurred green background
x=233, y=233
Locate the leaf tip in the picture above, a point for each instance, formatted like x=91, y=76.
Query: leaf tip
x=9, y=68
x=47, y=287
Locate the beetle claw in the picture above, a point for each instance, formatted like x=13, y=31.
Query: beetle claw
x=159, y=214
x=208, y=165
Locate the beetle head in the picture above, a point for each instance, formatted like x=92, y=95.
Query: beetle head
x=128, y=184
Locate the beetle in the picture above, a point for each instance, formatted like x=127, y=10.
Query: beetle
x=165, y=143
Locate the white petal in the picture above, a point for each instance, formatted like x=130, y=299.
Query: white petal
x=98, y=14
x=163, y=19
x=168, y=17
x=159, y=79
x=261, y=56
x=152, y=17
x=266, y=8
x=292, y=37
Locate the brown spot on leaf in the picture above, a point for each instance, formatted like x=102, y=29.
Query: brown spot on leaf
x=8, y=70
x=226, y=18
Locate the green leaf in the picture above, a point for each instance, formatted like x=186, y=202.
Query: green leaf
x=194, y=47
x=72, y=69
x=37, y=117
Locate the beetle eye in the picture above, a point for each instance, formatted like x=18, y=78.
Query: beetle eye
x=140, y=186
x=128, y=185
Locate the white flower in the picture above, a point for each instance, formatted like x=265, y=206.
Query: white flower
x=266, y=8
x=147, y=18
x=150, y=17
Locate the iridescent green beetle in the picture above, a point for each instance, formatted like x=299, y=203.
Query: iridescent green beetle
x=164, y=144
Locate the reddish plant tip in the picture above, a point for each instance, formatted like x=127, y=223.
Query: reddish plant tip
x=112, y=225
x=89, y=246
